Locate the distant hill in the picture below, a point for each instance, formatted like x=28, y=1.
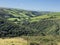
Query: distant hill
x=14, y=22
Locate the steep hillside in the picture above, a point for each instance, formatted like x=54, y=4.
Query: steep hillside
x=10, y=29
x=43, y=27
x=14, y=22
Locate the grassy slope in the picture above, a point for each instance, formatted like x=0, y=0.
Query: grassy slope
x=44, y=26
x=13, y=41
x=21, y=16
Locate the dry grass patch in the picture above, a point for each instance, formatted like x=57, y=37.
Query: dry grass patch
x=13, y=41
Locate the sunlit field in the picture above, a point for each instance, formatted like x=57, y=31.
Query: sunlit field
x=12, y=41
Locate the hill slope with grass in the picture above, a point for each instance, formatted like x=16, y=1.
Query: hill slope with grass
x=14, y=22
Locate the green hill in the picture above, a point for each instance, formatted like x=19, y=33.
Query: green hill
x=38, y=28
x=19, y=14
x=18, y=22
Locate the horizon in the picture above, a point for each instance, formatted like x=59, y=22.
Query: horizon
x=32, y=5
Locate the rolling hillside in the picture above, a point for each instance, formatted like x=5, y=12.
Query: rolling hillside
x=35, y=27
x=19, y=14
x=14, y=22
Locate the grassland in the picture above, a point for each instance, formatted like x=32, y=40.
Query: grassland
x=37, y=28
x=13, y=41
x=31, y=40
x=43, y=40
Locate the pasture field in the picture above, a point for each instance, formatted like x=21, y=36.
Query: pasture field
x=12, y=41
